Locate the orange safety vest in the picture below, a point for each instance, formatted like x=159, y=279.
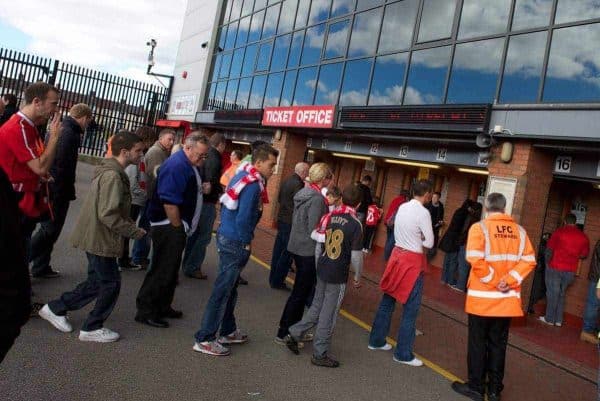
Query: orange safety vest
x=497, y=249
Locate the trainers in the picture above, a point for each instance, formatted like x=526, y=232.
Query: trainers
x=325, y=361
x=307, y=337
x=292, y=344
x=60, y=322
x=467, y=391
x=588, y=337
x=558, y=324
x=543, y=320
x=211, y=348
x=102, y=335
x=131, y=267
x=237, y=337
x=413, y=362
x=281, y=341
x=385, y=347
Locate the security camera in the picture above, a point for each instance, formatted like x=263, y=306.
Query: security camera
x=203, y=45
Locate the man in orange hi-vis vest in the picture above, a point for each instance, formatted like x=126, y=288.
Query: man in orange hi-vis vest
x=501, y=256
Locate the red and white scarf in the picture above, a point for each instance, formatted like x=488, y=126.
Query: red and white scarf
x=318, y=234
x=231, y=197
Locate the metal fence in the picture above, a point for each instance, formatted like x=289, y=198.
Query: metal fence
x=117, y=103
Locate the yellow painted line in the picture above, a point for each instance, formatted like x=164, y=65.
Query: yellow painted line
x=436, y=368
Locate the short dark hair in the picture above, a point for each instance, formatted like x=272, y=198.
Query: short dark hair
x=351, y=195
x=437, y=193
x=10, y=99
x=570, y=219
x=146, y=133
x=238, y=153
x=334, y=191
x=421, y=187
x=217, y=139
x=262, y=152
x=367, y=178
x=38, y=90
x=123, y=140
x=256, y=144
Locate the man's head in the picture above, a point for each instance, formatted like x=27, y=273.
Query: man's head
x=41, y=102
x=166, y=138
x=218, y=142
x=256, y=144
x=81, y=113
x=236, y=156
x=127, y=148
x=147, y=134
x=264, y=159
x=301, y=169
x=495, y=203
x=570, y=219
x=366, y=180
x=351, y=196
x=195, y=148
x=334, y=195
x=9, y=100
x=435, y=198
x=320, y=174
x=422, y=191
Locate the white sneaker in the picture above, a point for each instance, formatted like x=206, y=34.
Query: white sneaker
x=102, y=335
x=414, y=362
x=385, y=347
x=543, y=320
x=60, y=322
x=557, y=324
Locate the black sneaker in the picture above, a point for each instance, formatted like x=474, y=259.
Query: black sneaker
x=282, y=287
x=292, y=344
x=325, y=361
x=467, y=391
x=35, y=309
x=130, y=266
x=493, y=396
x=46, y=273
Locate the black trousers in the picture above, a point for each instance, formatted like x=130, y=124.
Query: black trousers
x=124, y=259
x=488, y=338
x=368, y=237
x=304, y=284
x=42, y=242
x=158, y=289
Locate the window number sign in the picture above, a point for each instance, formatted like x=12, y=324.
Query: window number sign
x=348, y=146
x=441, y=154
x=324, y=144
x=563, y=165
x=309, y=142
x=403, y=152
x=374, y=148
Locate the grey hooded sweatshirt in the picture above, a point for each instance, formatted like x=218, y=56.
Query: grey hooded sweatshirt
x=309, y=207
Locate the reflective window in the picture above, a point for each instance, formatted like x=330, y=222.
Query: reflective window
x=364, y=4
x=220, y=92
x=295, y=49
x=319, y=11
x=225, y=64
x=227, y=14
x=236, y=63
x=258, y=4
x=356, y=83
x=231, y=33
x=216, y=67
x=337, y=39
x=576, y=10
x=243, y=92
x=475, y=71
x=236, y=9
x=436, y=20
x=388, y=80
x=531, y=14
x=258, y=92
x=242, y=36
x=288, y=15
x=483, y=17
x=523, y=68
x=302, y=14
x=271, y=17
x=211, y=91
x=247, y=7
x=364, y=33
x=280, y=52
x=341, y=7
x=288, y=88
x=305, y=86
x=249, y=60
x=398, y=26
x=231, y=91
x=329, y=83
x=222, y=36
x=427, y=76
x=256, y=26
x=313, y=42
x=274, y=84
x=264, y=56
x=573, y=67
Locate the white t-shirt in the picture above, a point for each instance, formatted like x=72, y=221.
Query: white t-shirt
x=412, y=227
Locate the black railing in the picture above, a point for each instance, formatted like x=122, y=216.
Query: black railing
x=220, y=104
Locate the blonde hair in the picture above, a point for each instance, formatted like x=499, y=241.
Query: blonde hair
x=80, y=110
x=318, y=172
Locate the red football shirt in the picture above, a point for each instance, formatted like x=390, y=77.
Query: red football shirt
x=568, y=244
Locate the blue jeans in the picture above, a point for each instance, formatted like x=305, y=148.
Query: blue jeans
x=281, y=261
x=219, y=311
x=406, y=332
x=556, y=287
x=195, y=248
x=590, y=313
x=141, y=247
x=464, y=268
x=389, y=244
x=449, y=268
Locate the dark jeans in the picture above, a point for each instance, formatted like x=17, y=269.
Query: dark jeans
x=42, y=242
x=27, y=228
x=389, y=244
x=464, y=269
x=195, y=248
x=103, y=284
x=281, y=260
x=368, y=237
x=450, y=268
x=590, y=313
x=124, y=260
x=158, y=289
x=219, y=311
x=141, y=247
x=406, y=333
x=304, y=284
x=556, y=288
x=488, y=337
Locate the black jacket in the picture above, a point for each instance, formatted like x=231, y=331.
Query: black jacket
x=65, y=161
x=436, y=212
x=594, y=274
x=288, y=189
x=366, y=199
x=7, y=114
x=451, y=238
x=212, y=173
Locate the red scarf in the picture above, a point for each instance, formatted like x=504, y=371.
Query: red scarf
x=318, y=233
x=230, y=198
x=142, y=174
x=316, y=188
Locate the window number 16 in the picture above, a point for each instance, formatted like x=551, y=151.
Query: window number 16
x=563, y=164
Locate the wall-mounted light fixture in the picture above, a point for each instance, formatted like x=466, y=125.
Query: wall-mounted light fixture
x=414, y=164
x=349, y=156
x=473, y=171
x=241, y=143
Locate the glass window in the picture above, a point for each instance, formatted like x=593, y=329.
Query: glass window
x=231, y=33
x=211, y=93
x=483, y=17
x=236, y=9
x=243, y=92
x=341, y=7
x=388, y=79
x=242, y=36
x=220, y=93
x=302, y=14
x=287, y=17
x=531, y=14
x=523, y=68
x=356, y=83
x=427, y=76
x=231, y=91
x=258, y=92
x=364, y=33
x=288, y=88
x=225, y=64
x=573, y=67
x=398, y=26
x=436, y=20
x=337, y=39
x=258, y=4
x=295, y=49
x=313, y=42
x=227, y=14
x=305, y=86
x=222, y=36
x=216, y=67
x=256, y=26
x=247, y=7
x=329, y=83
x=236, y=63
x=475, y=71
x=249, y=60
x=271, y=17
x=365, y=4
x=576, y=10
x=264, y=56
x=319, y=11
x=280, y=52
x=274, y=84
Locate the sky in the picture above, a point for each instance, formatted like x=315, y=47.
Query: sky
x=109, y=36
